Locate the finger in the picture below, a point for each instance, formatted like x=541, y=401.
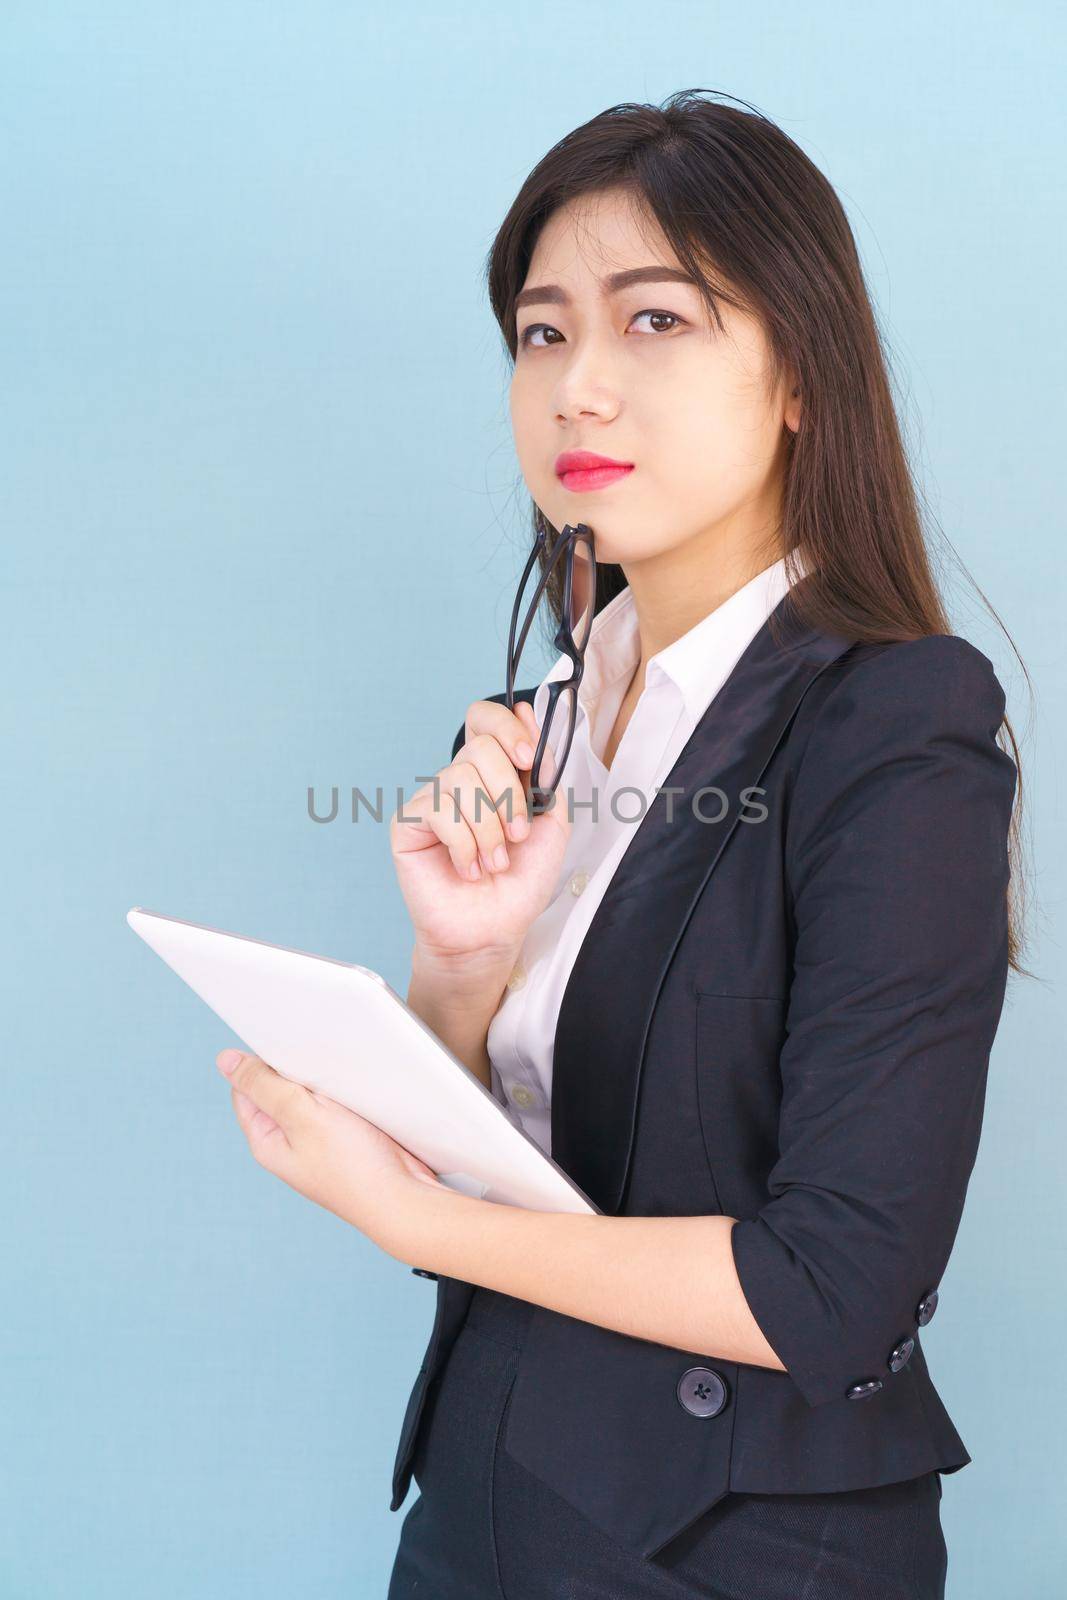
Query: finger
x=468, y=785
x=548, y=765
x=491, y=799
x=285, y=1102
x=458, y=810
x=526, y=712
x=251, y=1119
x=267, y=1141
x=476, y=782
x=499, y=779
x=431, y=819
x=508, y=728
x=529, y=716
x=516, y=732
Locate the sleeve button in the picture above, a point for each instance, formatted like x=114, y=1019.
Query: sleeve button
x=900, y=1354
x=860, y=1391
x=926, y=1308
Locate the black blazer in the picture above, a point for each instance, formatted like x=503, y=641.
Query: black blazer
x=783, y=1016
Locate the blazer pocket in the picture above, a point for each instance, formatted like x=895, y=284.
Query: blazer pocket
x=739, y=1039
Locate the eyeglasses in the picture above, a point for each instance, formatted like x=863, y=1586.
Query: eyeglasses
x=574, y=548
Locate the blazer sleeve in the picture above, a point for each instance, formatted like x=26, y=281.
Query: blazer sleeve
x=897, y=868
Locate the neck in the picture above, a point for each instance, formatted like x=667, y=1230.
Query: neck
x=675, y=589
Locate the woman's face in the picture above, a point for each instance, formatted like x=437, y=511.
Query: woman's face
x=642, y=375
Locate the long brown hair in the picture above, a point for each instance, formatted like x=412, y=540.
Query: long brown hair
x=758, y=226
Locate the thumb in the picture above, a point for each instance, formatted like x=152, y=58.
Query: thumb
x=261, y=1089
x=557, y=807
x=525, y=713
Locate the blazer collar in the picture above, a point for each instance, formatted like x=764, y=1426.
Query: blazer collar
x=611, y=992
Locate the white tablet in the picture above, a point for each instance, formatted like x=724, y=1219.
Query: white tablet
x=340, y=1029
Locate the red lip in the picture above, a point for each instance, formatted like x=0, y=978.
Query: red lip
x=585, y=461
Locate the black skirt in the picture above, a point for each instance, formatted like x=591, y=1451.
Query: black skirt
x=483, y=1528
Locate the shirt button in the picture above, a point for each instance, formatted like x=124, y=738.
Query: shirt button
x=517, y=976
x=521, y=1095
x=578, y=881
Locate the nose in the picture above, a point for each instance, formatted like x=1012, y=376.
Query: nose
x=585, y=381
x=582, y=391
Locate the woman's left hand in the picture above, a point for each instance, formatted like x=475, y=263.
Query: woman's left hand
x=332, y=1155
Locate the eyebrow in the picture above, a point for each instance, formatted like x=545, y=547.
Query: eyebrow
x=551, y=293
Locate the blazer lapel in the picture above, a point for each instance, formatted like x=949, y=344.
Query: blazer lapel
x=611, y=992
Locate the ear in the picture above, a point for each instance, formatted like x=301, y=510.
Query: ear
x=791, y=413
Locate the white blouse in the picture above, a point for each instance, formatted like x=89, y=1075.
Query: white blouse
x=679, y=686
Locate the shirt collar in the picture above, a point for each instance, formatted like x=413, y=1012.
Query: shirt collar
x=697, y=663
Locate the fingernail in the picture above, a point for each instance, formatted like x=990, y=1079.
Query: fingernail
x=228, y=1060
x=525, y=753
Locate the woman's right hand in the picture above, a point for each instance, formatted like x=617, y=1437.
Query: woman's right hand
x=455, y=915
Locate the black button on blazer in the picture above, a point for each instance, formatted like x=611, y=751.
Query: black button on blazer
x=782, y=1011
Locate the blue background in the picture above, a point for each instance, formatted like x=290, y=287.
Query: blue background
x=263, y=520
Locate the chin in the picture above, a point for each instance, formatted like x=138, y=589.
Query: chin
x=620, y=548
x=613, y=544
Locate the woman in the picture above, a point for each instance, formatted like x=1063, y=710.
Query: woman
x=751, y=1016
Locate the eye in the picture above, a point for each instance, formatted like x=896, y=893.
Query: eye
x=526, y=337
x=669, y=314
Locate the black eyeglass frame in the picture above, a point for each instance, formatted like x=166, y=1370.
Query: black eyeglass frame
x=564, y=640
